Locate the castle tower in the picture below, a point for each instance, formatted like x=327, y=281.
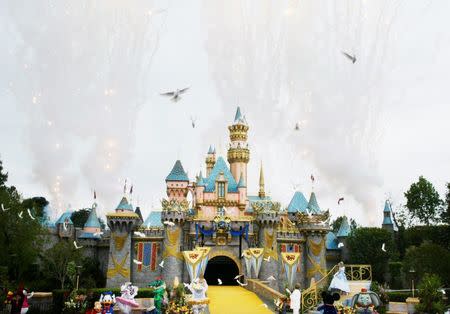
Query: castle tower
x=177, y=182
x=342, y=234
x=121, y=223
x=238, y=154
x=242, y=189
x=173, y=216
x=210, y=160
x=92, y=224
x=261, y=192
x=387, y=221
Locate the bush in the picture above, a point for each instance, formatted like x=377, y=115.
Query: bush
x=430, y=295
x=395, y=271
x=398, y=296
x=439, y=235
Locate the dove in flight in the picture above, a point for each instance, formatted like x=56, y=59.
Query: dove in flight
x=76, y=246
x=140, y=234
x=176, y=94
x=193, y=122
x=340, y=200
x=169, y=223
x=240, y=283
x=238, y=276
x=3, y=208
x=383, y=247
x=29, y=214
x=219, y=281
x=137, y=262
x=340, y=245
x=20, y=215
x=350, y=57
x=65, y=225
x=98, y=233
x=271, y=278
x=161, y=264
x=297, y=126
x=265, y=305
x=267, y=259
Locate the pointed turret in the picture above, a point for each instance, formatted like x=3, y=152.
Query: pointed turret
x=138, y=212
x=238, y=154
x=387, y=220
x=242, y=183
x=177, y=182
x=261, y=192
x=177, y=173
x=210, y=160
x=313, y=206
x=124, y=205
x=344, y=229
x=298, y=203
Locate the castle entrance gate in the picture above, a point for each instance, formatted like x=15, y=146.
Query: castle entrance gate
x=223, y=268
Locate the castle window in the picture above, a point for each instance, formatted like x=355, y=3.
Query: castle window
x=221, y=211
x=221, y=189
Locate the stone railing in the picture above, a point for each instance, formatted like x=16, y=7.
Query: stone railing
x=354, y=272
x=263, y=290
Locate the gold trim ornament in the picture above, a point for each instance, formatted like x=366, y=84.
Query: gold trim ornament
x=193, y=261
x=315, y=269
x=271, y=243
x=257, y=258
x=316, y=248
x=119, y=241
x=172, y=244
x=205, y=250
x=119, y=268
x=248, y=262
x=290, y=263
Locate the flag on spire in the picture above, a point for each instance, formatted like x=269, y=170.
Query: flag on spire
x=95, y=195
x=312, y=178
x=125, y=187
x=131, y=189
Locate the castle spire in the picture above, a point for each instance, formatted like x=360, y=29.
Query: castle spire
x=238, y=154
x=261, y=192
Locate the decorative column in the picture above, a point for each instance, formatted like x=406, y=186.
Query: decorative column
x=315, y=256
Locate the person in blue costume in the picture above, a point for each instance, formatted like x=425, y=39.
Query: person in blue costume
x=107, y=299
x=328, y=303
x=339, y=281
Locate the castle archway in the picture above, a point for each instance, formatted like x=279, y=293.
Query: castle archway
x=221, y=267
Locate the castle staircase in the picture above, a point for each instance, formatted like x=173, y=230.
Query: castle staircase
x=359, y=276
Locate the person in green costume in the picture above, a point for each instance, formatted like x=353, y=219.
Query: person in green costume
x=159, y=289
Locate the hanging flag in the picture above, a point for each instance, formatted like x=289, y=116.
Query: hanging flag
x=257, y=257
x=290, y=263
x=248, y=262
x=146, y=253
x=205, y=258
x=312, y=178
x=95, y=195
x=125, y=187
x=340, y=200
x=193, y=261
x=131, y=189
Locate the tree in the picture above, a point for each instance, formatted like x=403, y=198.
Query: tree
x=423, y=201
x=57, y=260
x=365, y=247
x=430, y=295
x=3, y=176
x=446, y=211
x=80, y=217
x=336, y=224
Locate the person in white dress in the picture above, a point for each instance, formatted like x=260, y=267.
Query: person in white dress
x=296, y=299
x=339, y=281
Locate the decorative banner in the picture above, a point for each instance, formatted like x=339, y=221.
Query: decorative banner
x=146, y=253
x=119, y=241
x=290, y=263
x=295, y=248
x=118, y=268
x=193, y=261
x=270, y=244
x=248, y=262
x=257, y=258
x=316, y=248
x=205, y=258
x=316, y=268
x=172, y=244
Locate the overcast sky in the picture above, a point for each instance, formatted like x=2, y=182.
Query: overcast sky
x=80, y=106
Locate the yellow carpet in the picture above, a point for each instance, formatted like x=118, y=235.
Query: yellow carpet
x=234, y=300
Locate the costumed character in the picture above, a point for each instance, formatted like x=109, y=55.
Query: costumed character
x=159, y=290
x=365, y=302
x=199, y=300
x=126, y=301
x=8, y=301
x=328, y=303
x=16, y=302
x=295, y=299
x=25, y=297
x=339, y=281
x=97, y=308
x=107, y=299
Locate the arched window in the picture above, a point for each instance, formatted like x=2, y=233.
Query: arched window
x=221, y=189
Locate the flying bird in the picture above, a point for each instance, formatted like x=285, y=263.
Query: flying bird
x=176, y=94
x=193, y=122
x=350, y=57
x=161, y=264
x=265, y=305
x=20, y=214
x=238, y=276
x=140, y=234
x=137, y=262
x=340, y=245
x=65, y=225
x=76, y=246
x=267, y=259
x=442, y=291
x=98, y=233
x=340, y=200
x=383, y=247
x=3, y=208
x=29, y=214
x=169, y=223
x=219, y=281
x=312, y=178
x=271, y=278
x=297, y=126
x=241, y=284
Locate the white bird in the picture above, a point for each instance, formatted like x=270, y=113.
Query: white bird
x=65, y=225
x=271, y=278
x=241, y=284
x=76, y=246
x=288, y=291
x=219, y=281
x=161, y=264
x=175, y=95
x=277, y=302
x=3, y=208
x=383, y=248
x=350, y=57
x=193, y=122
x=265, y=305
x=340, y=245
x=29, y=214
x=140, y=234
x=169, y=223
x=137, y=262
x=20, y=215
x=238, y=276
x=267, y=259
x=98, y=233
x=297, y=126
x=442, y=290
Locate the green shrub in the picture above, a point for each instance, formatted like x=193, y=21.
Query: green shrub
x=395, y=270
x=439, y=235
x=430, y=295
x=398, y=296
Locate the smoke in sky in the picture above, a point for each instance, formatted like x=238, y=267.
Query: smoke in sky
x=282, y=61
x=80, y=72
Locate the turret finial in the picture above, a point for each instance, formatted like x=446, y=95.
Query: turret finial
x=261, y=192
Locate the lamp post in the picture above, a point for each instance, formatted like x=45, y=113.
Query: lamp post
x=78, y=275
x=412, y=272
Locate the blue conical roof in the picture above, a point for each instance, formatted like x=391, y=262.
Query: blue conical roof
x=124, y=205
x=332, y=241
x=241, y=183
x=220, y=166
x=312, y=204
x=387, y=207
x=211, y=150
x=298, y=203
x=92, y=221
x=238, y=115
x=63, y=218
x=344, y=229
x=177, y=173
x=153, y=220
x=200, y=180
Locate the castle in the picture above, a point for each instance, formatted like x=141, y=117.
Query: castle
x=221, y=217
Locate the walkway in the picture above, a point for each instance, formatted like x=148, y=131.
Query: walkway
x=234, y=300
